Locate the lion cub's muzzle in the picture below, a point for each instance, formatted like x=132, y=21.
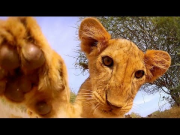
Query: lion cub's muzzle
x=113, y=106
x=114, y=101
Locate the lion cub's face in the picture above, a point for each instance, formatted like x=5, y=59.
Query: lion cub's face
x=117, y=68
x=116, y=75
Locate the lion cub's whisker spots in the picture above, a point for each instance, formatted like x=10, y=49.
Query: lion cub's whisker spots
x=98, y=97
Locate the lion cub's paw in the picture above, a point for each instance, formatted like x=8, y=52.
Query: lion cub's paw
x=21, y=57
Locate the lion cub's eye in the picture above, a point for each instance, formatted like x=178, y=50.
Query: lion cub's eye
x=139, y=74
x=107, y=61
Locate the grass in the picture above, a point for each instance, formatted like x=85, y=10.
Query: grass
x=72, y=97
x=173, y=112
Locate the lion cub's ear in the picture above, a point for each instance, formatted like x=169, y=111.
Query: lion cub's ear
x=92, y=34
x=157, y=63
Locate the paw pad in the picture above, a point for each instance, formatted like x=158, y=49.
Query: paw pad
x=9, y=58
x=43, y=108
x=32, y=57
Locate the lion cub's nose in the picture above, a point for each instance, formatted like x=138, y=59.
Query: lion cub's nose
x=119, y=105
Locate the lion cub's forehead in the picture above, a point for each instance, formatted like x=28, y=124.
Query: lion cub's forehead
x=123, y=47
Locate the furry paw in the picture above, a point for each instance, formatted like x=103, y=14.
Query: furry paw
x=27, y=74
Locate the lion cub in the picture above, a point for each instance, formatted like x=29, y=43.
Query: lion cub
x=117, y=68
x=34, y=77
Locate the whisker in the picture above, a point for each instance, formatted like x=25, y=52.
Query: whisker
x=134, y=109
x=85, y=98
x=84, y=94
x=138, y=105
x=85, y=89
x=97, y=105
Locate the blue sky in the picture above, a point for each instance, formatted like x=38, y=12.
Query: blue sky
x=61, y=33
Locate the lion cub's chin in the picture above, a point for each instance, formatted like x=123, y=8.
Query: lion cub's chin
x=100, y=110
x=110, y=113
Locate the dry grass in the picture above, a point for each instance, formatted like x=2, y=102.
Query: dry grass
x=174, y=112
x=72, y=96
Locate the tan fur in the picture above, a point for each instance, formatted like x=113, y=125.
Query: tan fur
x=53, y=84
x=114, y=85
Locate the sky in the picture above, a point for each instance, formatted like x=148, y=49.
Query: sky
x=61, y=33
